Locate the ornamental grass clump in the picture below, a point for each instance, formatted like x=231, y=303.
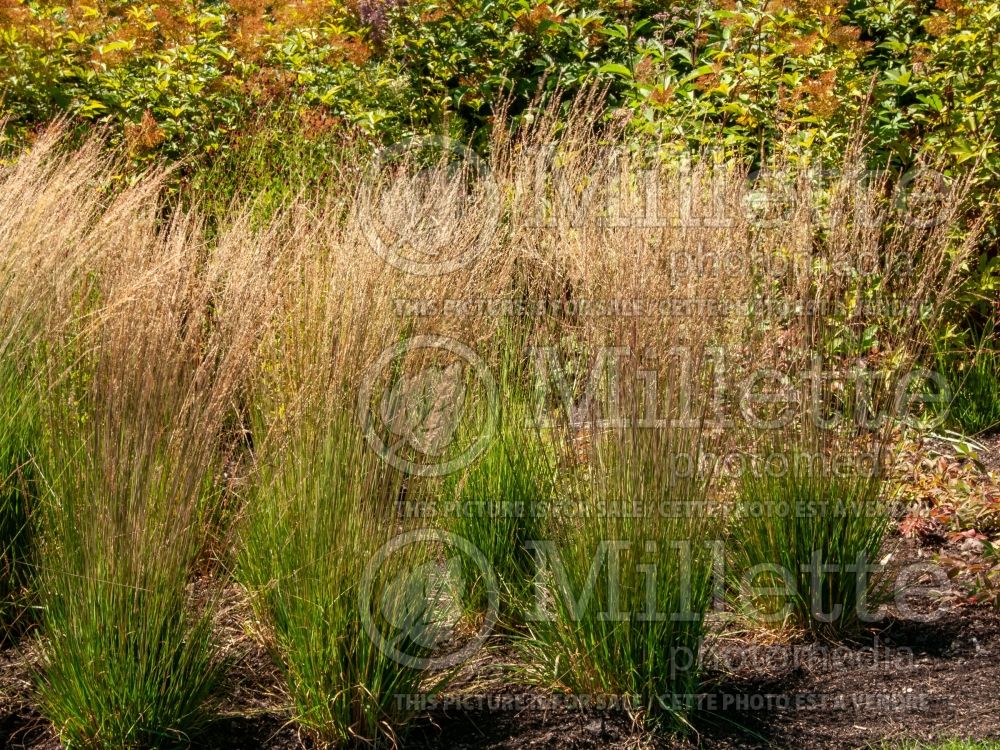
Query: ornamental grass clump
x=806, y=544
x=18, y=436
x=138, y=364
x=622, y=616
x=624, y=583
x=349, y=617
x=501, y=504
x=126, y=467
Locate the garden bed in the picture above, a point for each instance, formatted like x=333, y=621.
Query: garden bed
x=900, y=680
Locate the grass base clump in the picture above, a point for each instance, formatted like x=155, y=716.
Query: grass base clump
x=128, y=660
x=625, y=586
x=321, y=519
x=18, y=435
x=500, y=504
x=806, y=544
x=974, y=380
x=128, y=464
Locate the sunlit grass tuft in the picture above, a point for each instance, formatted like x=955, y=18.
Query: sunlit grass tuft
x=324, y=510
x=624, y=587
x=806, y=542
x=128, y=656
x=18, y=440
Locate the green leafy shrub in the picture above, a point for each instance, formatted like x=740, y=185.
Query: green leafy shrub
x=278, y=157
x=188, y=79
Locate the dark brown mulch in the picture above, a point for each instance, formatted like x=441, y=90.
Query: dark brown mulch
x=20, y=724
x=915, y=681
x=904, y=681
x=991, y=456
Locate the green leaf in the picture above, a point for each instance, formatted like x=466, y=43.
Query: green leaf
x=615, y=69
